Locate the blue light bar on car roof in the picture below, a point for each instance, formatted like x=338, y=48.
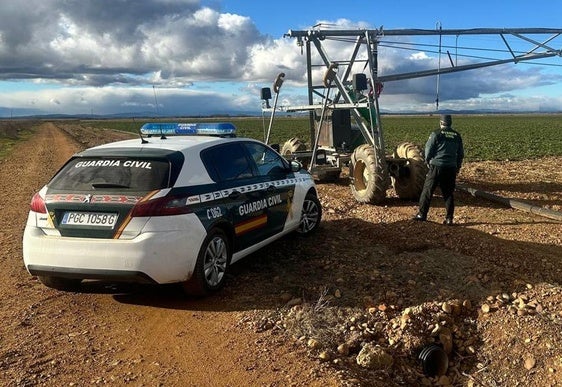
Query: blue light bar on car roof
x=189, y=129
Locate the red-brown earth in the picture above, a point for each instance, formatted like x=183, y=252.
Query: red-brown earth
x=300, y=311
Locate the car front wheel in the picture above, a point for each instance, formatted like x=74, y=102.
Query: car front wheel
x=211, y=266
x=311, y=215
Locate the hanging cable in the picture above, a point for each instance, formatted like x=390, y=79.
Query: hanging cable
x=438, y=26
x=456, y=50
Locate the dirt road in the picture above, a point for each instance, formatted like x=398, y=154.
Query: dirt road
x=300, y=312
x=118, y=335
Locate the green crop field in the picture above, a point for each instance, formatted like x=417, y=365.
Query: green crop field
x=486, y=137
x=13, y=131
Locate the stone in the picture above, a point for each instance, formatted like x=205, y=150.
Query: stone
x=530, y=363
x=374, y=357
x=343, y=349
x=313, y=343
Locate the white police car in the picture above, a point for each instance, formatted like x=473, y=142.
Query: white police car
x=165, y=209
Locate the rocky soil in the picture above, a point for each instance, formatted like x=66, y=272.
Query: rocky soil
x=353, y=304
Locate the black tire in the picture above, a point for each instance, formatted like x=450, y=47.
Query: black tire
x=410, y=186
x=311, y=215
x=369, y=175
x=60, y=283
x=212, y=264
x=291, y=146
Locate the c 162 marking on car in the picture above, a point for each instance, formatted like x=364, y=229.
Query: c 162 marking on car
x=214, y=213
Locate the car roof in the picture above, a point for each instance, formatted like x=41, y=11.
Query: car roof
x=172, y=143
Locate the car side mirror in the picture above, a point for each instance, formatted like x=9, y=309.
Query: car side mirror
x=295, y=165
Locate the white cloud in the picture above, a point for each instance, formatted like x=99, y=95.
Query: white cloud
x=110, y=57
x=419, y=56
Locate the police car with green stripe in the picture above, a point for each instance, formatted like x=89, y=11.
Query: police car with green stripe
x=179, y=204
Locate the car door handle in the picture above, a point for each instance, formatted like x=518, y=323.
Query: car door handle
x=234, y=195
x=271, y=188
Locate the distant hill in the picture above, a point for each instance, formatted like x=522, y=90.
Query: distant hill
x=6, y=113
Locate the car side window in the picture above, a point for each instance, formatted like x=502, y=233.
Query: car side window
x=227, y=162
x=268, y=162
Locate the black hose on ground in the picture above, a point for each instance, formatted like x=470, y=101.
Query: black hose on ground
x=513, y=203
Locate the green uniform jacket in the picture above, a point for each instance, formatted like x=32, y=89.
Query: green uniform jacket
x=444, y=148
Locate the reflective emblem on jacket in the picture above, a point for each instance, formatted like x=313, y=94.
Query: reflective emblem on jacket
x=444, y=148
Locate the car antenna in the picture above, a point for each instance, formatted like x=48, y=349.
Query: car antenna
x=143, y=141
x=162, y=135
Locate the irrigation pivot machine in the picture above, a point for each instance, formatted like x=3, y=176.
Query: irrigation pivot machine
x=343, y=99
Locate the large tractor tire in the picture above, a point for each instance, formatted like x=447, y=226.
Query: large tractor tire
x=291, y=146
x=409, y=186
x=369, y=175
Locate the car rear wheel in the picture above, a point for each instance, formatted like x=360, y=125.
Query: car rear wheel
x=311, y=215
x=60, y=283
x=212, y=264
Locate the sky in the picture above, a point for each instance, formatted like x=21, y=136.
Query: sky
x=191, y=57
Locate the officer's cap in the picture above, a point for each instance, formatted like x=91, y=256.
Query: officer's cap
x=446, y=119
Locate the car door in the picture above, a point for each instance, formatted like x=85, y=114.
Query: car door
x=274, y=172
x=239, y=191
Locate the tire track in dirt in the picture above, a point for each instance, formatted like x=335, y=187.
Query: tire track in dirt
x=30, y=166
x=119, y=334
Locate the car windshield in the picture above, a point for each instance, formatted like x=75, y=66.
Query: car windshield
x=91, y=173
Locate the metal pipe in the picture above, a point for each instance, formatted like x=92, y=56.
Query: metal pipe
x=513, y=203
x=421, y=32
x=328, y=79
x=276, y=88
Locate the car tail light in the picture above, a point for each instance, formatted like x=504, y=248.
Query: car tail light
x=38, y=204
x=167, y=205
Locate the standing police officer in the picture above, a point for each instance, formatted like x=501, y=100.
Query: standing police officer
x=444, y=153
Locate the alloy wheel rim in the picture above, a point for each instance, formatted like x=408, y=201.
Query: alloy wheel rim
x=215, y=261
x=309, y=216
